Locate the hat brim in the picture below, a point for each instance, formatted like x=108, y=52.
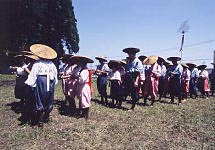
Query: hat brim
x=202, y=66
x=101, y=59
x=114, y=64
x=131, y=50
x=174, y=58
x=83, y=59
x=32, y=57
x=25, y=53
x=142, y=58
x=150, y=60
x=191, y=65
x=161, y=59
x=43, y=51
x=185, y=65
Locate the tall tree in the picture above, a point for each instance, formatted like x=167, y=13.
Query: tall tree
x=50, y=22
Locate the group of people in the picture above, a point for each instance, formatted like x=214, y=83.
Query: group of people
x=36, y=77
x=134, y=76
x=151, y=76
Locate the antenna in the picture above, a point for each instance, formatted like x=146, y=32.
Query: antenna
x=183, y=29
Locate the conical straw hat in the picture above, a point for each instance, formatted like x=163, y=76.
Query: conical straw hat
x=101, y=58
x=43, y=51
x=114, y=64
x=150, y=60
x=85, y=59
x=32, y=57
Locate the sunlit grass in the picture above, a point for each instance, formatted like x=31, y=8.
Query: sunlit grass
x=164, y=126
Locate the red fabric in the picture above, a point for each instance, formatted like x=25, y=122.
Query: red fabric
x=206, y=85
x=90, y=81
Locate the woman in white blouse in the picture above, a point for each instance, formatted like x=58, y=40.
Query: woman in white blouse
x=204, y=81
x=42, y=78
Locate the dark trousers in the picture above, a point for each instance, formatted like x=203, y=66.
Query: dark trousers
x=193, y=88
x=175, y=89
x=130, y=89
x=102, y=86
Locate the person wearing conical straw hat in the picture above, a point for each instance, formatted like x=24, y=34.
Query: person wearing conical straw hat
x=185, y=81
x=21, y=76
x=115, y=81
x=203, y=81
x=212, y=79
x=194, y=74
x=42, y=78
x=175, y=73
x=102, y=72
x=70, y=83
x=152, y=79
x=30, y=101
x=142, y=74
x=162, y=79
x=84, y=85
x=133, y=68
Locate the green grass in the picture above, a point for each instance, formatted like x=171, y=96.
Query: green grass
x=164, y=126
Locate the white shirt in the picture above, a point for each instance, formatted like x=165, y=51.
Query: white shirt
x=42, y=67
x=203, y=74
x=21, y=70
x=163, y=71
x=115, y=75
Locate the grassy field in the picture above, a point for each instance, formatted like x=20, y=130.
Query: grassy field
x=164, y=126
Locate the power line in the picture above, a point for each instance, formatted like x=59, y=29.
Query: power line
x=173, y=48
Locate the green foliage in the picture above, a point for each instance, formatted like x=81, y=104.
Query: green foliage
x=50, y=22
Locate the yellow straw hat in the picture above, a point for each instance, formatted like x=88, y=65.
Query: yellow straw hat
x=185, y=65
x=25, y=53
x=32, y=57
x=150, y=60
x=43, y=51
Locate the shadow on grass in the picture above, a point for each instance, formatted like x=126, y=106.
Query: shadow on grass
x=109, y=105
x=65, y=110
x=20, y=108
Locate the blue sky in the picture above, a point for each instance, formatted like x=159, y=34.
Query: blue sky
x=107, y=26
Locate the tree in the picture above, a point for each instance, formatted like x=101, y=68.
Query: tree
x=26, y=22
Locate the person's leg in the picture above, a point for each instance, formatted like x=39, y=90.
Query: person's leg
x=134, y=96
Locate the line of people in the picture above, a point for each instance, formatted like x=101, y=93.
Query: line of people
x=134, y=76
x=151, y=76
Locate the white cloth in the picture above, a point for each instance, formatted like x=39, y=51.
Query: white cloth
x=186, y=75
x=156, y=70
x=163, y=71
x=103, y=67
x=42, y=67
x=21, y=70
x=114, y=75
x=84, y=93
x=204, y=74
